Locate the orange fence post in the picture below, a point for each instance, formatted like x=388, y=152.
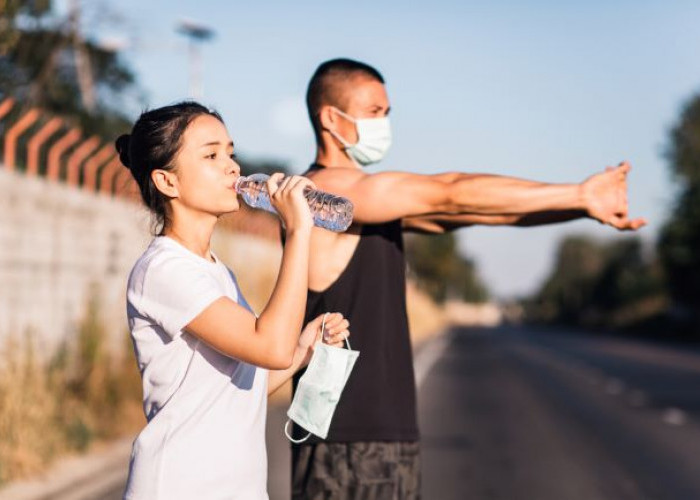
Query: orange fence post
x=54, y=169
x=94, y=163
x=121, y=183
x=134, y=191
x=6, y=106
x=74, y=161
x=35, y=143
x=13, y=134
x=108, y=173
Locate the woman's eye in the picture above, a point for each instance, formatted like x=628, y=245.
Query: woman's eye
x=233, y=156
x=211, y=156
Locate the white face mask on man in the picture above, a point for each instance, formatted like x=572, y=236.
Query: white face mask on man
x=373, y=139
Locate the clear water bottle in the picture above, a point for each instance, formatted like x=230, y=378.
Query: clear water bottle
x=329, y=211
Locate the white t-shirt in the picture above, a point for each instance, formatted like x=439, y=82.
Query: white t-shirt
x=205, y=436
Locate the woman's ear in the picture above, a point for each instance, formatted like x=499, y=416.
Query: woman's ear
x=165, y=182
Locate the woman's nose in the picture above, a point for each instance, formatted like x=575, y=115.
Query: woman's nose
x=234, y=168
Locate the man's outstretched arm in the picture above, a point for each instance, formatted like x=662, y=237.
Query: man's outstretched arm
x=394, y=195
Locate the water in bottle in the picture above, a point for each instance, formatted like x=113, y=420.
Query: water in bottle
x=328, y=211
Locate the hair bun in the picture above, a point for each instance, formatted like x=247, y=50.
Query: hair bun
x=122, y=145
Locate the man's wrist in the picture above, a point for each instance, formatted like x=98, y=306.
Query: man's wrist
x=583, y=201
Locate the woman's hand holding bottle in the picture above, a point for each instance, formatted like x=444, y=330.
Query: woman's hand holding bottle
x=287, y=197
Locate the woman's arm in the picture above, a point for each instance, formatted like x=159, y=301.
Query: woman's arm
x=335, y=332
x=270, y=340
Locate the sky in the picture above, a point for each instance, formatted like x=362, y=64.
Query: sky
x=545, y=90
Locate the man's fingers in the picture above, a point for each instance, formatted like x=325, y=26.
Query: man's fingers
x=637, y=223
x=624, y=167
x=625, y=224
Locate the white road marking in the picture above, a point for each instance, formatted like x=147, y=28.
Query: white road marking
x=675, y=416
x=427, y=357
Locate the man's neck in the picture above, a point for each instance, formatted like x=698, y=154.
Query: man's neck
x=331, y=156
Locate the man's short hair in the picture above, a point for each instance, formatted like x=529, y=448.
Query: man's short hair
x=327, y=84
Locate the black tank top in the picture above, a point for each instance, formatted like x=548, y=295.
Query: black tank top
x=379, y=399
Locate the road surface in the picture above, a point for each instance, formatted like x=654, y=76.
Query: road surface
x=522, y=413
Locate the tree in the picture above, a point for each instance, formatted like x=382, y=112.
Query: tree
x=600, y=284
x=441, y=271
x=679, y=241
x=45, y=63
x=567, y=291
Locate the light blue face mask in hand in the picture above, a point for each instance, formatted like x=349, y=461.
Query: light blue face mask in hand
x=319, y=389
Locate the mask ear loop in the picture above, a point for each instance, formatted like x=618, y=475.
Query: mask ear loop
x=289, y=436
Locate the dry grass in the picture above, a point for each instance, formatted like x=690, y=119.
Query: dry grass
x=255, y=262
x=80, y=396
x=426, y=319
x=86, y=393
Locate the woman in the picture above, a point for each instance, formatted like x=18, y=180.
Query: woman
x=206, y=361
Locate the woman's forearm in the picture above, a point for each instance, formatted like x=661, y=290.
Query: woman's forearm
x=283, y=316
x=277, y=378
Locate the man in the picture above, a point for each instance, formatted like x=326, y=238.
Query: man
x=372, y=448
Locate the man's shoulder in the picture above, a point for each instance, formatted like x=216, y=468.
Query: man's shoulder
x=333, y=172
x=332, y=176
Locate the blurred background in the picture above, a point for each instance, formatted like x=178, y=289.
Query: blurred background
x=552, y=362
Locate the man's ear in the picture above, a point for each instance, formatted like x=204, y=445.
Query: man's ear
x=165, y=182
x=328, y=118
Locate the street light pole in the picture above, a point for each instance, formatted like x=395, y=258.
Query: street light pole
x=196, y=34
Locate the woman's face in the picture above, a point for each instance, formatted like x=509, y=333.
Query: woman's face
x=205, y=169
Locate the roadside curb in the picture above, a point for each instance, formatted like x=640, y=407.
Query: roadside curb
x=90, y=476
x=77, y=477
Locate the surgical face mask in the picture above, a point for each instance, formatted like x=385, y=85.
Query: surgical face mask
x=373, y=139
x=319, y=389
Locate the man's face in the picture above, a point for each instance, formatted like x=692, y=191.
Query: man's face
x=363, y=98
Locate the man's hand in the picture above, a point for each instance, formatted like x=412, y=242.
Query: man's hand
x=605, y=198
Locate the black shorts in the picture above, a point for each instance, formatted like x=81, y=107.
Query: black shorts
x=356, y=471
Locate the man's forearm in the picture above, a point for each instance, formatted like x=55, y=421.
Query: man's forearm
x=483, y=194
x=442, y=223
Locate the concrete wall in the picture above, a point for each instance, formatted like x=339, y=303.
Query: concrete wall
x=57, y=243
x=60, y=244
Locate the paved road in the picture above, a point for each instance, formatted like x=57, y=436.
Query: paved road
x=522, y=413
x=526, y=414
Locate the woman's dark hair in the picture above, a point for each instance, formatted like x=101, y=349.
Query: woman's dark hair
x=152, y=145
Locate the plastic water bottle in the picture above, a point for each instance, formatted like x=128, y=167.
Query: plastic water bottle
x=329, y=211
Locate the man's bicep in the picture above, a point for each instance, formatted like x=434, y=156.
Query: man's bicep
x=389, y=196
